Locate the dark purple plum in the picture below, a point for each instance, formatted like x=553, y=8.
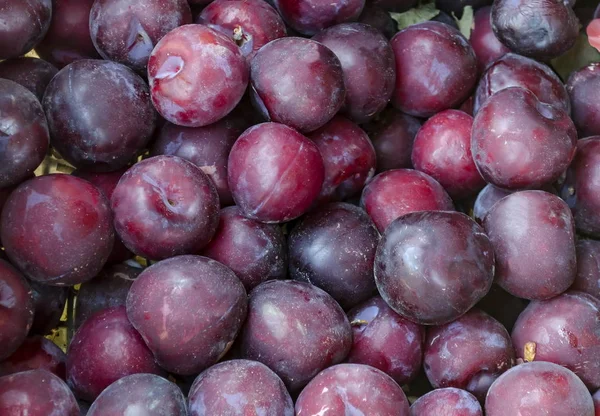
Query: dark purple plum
x=184, y=305
x=541, y=30
x=588, y=267
x=564, y=330
x=352, y=389
x=536, y=389
x=36, y=393
x=100, y=114
x=469, y=353
x=395, y=193
x=257, y=391
x=334, y=248
x=49, y=305
x=368, y=64
x=442, y=149
x=393, y=134
x=255, y=251
x=348, y=156
x=512, y=70
x=449, y=401
x=104, y=349
x=514, y=122
x=68, y=38
x=436, y=69
x=24, y=24
x=583, y=87
x=446, y=19
x=275, y=173
x=107, y=290
x=295, y=329
x=165, y=206
x=457, y=6
x=385, y=340
x=197, y=75
x=431, y=267
x=24, y=135
x=375, y=16
x=533, y=235
x=486, y=199
x=31, y=73
x=502, y=306
x=310, y=98
x=250, y=23
x=485, y=44
x=57, y=229
x=309, y=16
x=35, y=353
x=397, y=6
x=143, y=394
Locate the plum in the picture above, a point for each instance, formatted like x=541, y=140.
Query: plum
x=385, y=340
x=583, y=86
x=49, y=305
x=35, y=353
x=184, y=305
x=448, y=401
x=485, y=44
x=31, y=73
x=57, y=229
x=309, y=16
x=588, y=267
x=538, y=388
x=140, y=394
x=36, y=393
x=533, y=235
x=24, y=24
x=486, y=199
x=513, y=122
x=103, y=350
x=374, y=15
x=352, y=389
x=257, y=391
x=398, y=192
x=281, y=331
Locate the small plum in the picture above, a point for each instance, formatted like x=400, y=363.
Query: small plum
x=309, y=16
x=24, y=24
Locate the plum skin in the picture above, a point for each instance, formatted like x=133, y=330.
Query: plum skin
x=25, y=23
x=485, y=44
x=447, y=401
x=310, y=16
x=35, y=353
x=583, y=86
x=588, y=267
x=32, y=73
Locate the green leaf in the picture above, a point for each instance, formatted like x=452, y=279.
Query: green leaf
x=420, y=14
x=580, y=55
x=466, y=22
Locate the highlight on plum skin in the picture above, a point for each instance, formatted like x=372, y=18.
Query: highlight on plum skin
x=447, y=401
x=197, y=75
x=24, y=25
x=32, y=73
x=275, y=174
x=309, y=16
x=35, y=353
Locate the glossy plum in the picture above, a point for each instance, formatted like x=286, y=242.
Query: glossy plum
x=309, y=16
x=144, y=394
x=485, y=44
x=583, y=86
x=431, y=267
x=295, y=329
x=395, y=193
x=35, y=353
x=486, y=199
x=49, y=304
x=175, y=323
x=308, y=100
x=532, y=225
x=197, y=76
x=24, y=24
x=368, y=64
x=57, y=229
x=448, y=401
x=275, y=173
x=385, y=340
x=514, y=122
x=436, y=68
x=358, y=387
x=31, y=73
x=257, y=390
x=588, y=267
x=442, y=149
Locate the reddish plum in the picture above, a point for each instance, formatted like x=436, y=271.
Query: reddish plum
x=448, y=402
x=250, y=23
x=375, y=16
x=352, y=389
x=23, y=131
x=502, y=306
x=538, y=388
x=436, y=68
x=309, y=16
x=442, y=149
x=486, y=199
x=275, y=173
x=431, y=267
x=520, y=142
x=184, y=305
x=588, y=267
x=308, y=99
x=583, y=87
x=57, y=229
x=36, y=393
x=68, y=38
x=32, y=73
x=296, y=329
x=257, y=391
x=49, y=304
x=485, y=44
x=255, y=251
x=469, y=353
x=395, y=193
x=140, y=394
x=35, y=353
x=24, y=24
x=197, y=76
x=385, y=340
x=533, y=235
x=368, y=64
x=393, y=134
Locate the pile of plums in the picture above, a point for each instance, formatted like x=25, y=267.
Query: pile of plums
x=291, y=207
